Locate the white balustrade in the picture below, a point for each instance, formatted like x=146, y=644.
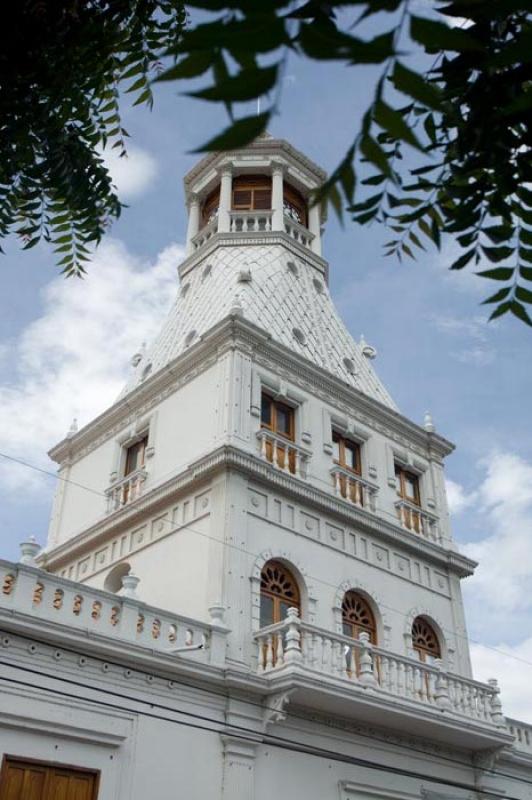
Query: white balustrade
x=47, y=597
x=126, y=490
x=522, y=734
x=298, y=231
x=282, y=453
x=205, y=233
x=370, y=668
x=250, y=221
x=354, y=488
x=417, y=520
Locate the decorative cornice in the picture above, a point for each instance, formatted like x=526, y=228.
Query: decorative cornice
x=236, y=332
x=230, y=457
x=243, y=239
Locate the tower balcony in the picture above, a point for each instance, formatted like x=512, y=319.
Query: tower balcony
x=335, y=673
x=266, y=188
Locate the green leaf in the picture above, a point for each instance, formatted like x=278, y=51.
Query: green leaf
x=498, y=296
x=519, y=311
x=496, y=254
x=197, y=63
x=247, y=85
x=374, y=180
x=498, y=233
x=497, y=274
x=392, y=120
x=372, y=151
x=500, y=310
x=525, y=295
x=239, y=134
x=416, y=86
x=437, y=36
x=526, y=273
x=463, y=260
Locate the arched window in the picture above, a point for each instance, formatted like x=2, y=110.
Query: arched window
x=113, y=582
x=278, y=592
x=357, y=616
x=425, y=641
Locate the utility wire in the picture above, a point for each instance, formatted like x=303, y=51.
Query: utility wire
x=291, y=714
x=185, y=526
x=244, y=733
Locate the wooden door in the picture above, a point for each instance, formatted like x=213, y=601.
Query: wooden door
x=23, y=780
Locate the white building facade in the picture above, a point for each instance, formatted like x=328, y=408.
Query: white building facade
x=250, y=587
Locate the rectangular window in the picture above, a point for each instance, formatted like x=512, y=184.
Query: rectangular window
x=26, y=780
x=135, y=455
x=346, y=453
x=407, y=485
x=278, y=418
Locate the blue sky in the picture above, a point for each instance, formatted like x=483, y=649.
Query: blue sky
x=65, y=348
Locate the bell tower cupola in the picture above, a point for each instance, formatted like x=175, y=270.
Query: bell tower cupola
x=265, y=188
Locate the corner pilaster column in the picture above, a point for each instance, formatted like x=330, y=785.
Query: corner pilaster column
x=226, y=185
x=314, y=227
x=277, y=198
x=193, y=222
x=238, y=768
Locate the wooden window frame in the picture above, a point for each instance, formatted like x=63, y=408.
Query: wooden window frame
x=277, y=597
x=357, y=627
x=422, y=650
x=290, y=437
x=402, y=473
x=351, y=444
x=48, y=766
x=141, y=440
x=295, y=199
x=210, y=207
x=252, y=184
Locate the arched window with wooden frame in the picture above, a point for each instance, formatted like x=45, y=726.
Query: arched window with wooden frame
x=278, y=592
x=294, y=205
x=357, y=616
x=252, y=193
x=425, y=641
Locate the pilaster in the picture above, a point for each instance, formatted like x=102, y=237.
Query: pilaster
x=193, y=222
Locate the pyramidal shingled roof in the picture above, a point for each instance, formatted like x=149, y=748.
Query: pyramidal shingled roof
x=270, y=287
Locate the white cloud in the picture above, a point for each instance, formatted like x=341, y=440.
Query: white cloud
x=74, y=359
x=458, y=500
x=503, y=581
x=133, y=173
x=512, y=666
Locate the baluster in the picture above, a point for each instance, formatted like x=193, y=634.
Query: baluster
x=279, y=651
x=424, y=677
x=366, y=677
x=400, y=674
x=409, y=680
x=260, y=656
x=496, y=714
x=337, y=484
x=293, y=638
x=263, y=446
x=269, y=653
x=326, y=655
x=340, y=659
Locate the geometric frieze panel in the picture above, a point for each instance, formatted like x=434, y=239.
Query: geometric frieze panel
x=154, y=528
x=276, y=510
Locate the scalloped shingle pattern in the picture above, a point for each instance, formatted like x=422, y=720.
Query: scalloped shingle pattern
x=282, y=295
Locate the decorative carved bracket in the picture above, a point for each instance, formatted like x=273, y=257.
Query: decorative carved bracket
x=274, y=707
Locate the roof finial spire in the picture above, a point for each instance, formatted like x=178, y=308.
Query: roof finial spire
x=428, y=422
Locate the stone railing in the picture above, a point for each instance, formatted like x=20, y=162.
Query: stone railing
x=125, y=490
x=250, y=221
x=354, y=488
x=205, y=233
x=282, y=453
x=368, y=667
x=522, y=732
x=298, y=231
x=45, y=597
x=417, y=520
